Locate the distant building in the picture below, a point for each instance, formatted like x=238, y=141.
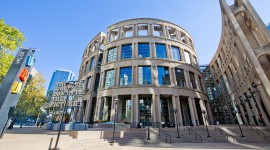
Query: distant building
x=59, y=76
x=241, y=65
x=268, y=26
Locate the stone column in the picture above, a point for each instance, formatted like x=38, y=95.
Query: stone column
x=188, y=83
x=180, y=119
x=152, y=50
x=98, y=107
x=164, y=30
x=150, y=29
x=135, y=75
x=171, y=74
x=204, y=108
x=135, y=111
x=173, y=79
x=105, y=57
x=153, y=109
x=118, y=52
x=88, y=110
x=134, y=50
x=190, y=103
x=182, y=55
x=195, y=112
x=210, y=115
x=155, y=76
x=157, y=107
x=135, y=31
x=117, y=76
x=113, y=108
x=168, y=50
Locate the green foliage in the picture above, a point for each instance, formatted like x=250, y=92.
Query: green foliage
x=10, y=39
x=32, y=97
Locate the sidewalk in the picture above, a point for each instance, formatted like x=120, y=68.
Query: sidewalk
x=36, y=138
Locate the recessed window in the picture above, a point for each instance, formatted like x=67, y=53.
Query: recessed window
x=144, y=75
x=192, y=80
x=127, y=31
x=158, y=30
x=86, y=66
x=143, y=50
x=109, y=78
x=163, y=76
x=172, y=33
x=142, y=29
x=88, y=84
x=126, y=51
x=113, y=35
x=195, y=61
x=92, y=65
x=180, y=77
x=125, y=76
x=111, y=54
x=161, y=51
x=183, y=38
x=176, y=53
x=187, y=57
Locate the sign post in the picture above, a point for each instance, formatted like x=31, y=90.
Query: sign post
x=13, y=84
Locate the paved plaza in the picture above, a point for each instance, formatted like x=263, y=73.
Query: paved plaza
x=37, y=138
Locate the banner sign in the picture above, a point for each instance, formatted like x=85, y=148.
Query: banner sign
x=61, y=92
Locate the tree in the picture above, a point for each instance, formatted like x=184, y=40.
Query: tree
x=10, y=39
x=32, y=98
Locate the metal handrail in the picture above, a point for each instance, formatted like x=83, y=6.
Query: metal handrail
x=226, y=134
x=167, y=135
x=258, y=130
x=196, y=134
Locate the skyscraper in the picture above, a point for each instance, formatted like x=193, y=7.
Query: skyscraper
x=59, y=76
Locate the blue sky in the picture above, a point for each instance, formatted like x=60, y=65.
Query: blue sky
x=63, y=28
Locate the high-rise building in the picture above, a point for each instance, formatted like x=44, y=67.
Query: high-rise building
x=268, y=26
x=59, y=76
x=150, y=66
x=241, y=64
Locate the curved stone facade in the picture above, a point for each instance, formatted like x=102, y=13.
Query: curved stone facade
x=241, y=65
x=150, y=66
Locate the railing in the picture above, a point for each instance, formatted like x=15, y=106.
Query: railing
x=196, y=134
x=167, y=135
x=226, y=134
x=145, y=124
x=260, y=131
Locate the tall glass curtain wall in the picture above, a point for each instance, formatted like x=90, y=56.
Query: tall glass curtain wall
x=163, y=76
x=143, y=50
x=126, y=51
x=144, y=75
x=126, y=76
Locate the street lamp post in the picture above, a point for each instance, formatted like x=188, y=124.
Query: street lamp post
x=147, y=108
x=242, y=135
x=69, y=86
x=204, y=112
x=115, y=115
x=175, y=112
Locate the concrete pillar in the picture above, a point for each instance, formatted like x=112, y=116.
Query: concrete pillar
x=164, y=30
x=205, y=116
x=155, y=76
x=168, y=50
x=135, y=111
x=118, y=52
x=195, y=111
x=179, y=113
x=210, y=115
x=88, y=110
x=117, y=77
x=150, y=29
x=173, y=79
x=135, y=75
x=191, y=109
x=188, y=83
x=157, y=107
x=105, y=57
x=152, y=50
x=135, y=30
x=98, y=107
x=171, y=74
x=183, y=59
x=134, y=50
x=153, y=109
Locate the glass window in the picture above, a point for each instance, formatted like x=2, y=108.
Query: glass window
x=111, y=54
x=127, y=31
x=161, y=51
x=180, y=77
x=187, y=57
x=92, y=63
x=144, y=75
x=183, y=38
x=192, y=80
x=158, y=30
x=142, y=29
x=126, y=51
x=145, y=110
x=113, y=35
x=176, y=53
x=86, y=66
x=97, y=82
x=88, y=84
x=163, y=76
x=126, y=76
x=143, y=50
x=109, y=78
